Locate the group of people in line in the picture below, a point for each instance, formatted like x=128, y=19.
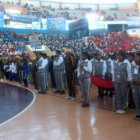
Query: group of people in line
x=67, y=71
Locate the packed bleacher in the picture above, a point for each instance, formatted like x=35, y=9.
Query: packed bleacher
x=116, y=41
x=110, y=42
x=73, y=14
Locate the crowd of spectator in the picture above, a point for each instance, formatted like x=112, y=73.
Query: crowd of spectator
x=116, y=41
x=11, y=42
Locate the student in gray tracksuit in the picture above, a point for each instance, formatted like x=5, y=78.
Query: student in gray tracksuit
x=46, y=73
x=121, y=78
x=84, y=73
x=59, y=69
x=109, y=72
x=41, y=64
x=100, y=70
x=93, y=62
x=131, y=103
x=136, y=85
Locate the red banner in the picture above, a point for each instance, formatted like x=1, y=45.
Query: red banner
x=99, y=82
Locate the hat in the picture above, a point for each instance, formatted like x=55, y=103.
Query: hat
x=33, y=58
x=67, y=50
x=17, y=57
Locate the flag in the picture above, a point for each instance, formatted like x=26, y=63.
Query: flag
x=99, y=82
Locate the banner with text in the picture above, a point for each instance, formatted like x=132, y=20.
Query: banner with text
x=56, y=23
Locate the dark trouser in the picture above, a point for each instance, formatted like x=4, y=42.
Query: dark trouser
x=136, y=94
x=71, y=84
x=7, y=75
x=35, y=80
x=19, y=77
x=13, y=76
x=109, y=90
x=25, y=80
x=2, y=74
x=52, y=78
x=131, y=102
x=100, y=91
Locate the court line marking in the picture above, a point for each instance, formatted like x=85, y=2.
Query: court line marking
x=25, y=109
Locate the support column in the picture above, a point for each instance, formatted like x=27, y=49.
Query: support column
x=20, y=2
x=98, y=7
x=79, y=6
x=118, y=7
x=40, y=4
x=60, y=6
x=138, y=5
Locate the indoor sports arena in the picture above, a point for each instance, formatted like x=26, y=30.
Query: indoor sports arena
x=69, y=69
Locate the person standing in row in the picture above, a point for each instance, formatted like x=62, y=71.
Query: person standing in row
x=100, y=70
x=93, y=62
x=47, y=69
x=70, y=68
x=131, y=103
x=52, y=71
x=41, y=74
x=136, y=85
x=25, y=68
x=109, y=72
x=84, y=73
x=59, y=68
x=34, y=74
x=121, y=78
x=19, y=70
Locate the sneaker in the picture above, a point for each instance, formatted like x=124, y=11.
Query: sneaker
x=73, y=98
x=35, y=90
x=68, y=97
x=137, y=117
x=19, y=85
x=118, y=111
x=122, y=112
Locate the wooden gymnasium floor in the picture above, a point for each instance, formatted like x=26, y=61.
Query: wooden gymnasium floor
x=25, y=115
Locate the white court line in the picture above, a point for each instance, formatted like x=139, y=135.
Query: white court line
x=34, y=98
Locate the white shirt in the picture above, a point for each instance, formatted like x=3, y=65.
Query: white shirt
x=46, y=61
x=43, y=65
x=133, y=63
x=10, y=68
x=104, y=67
x=13, y=68
x=87, y=68
x=136, y=70
x=129, y=74
x=111, y=63
x=60, y=61
x=93, y=60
